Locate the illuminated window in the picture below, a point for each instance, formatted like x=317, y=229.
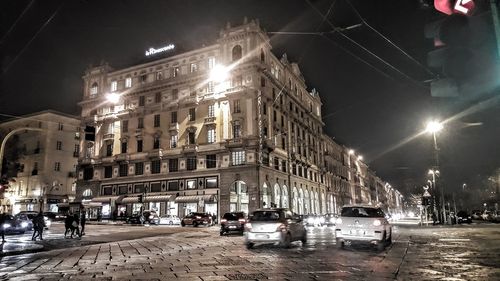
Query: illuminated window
x=211, y=62
x=173, y=141
x=159, y=75
x=211, y=135
x=238, y=158
x=177, y=71
x=128, y=82
x=211, y=111
x=114, y=86
x=194, y=67
x=210, y=87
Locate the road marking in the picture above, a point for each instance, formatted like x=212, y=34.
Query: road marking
x=454, y=239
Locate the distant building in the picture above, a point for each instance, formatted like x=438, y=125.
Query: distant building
x=227, y=127
x=40, y=161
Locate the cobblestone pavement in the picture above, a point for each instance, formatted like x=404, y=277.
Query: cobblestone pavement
x=441, y=253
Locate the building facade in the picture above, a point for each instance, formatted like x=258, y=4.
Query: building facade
x=227, y=127
x=40, y=159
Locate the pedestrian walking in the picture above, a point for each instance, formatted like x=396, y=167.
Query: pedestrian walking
x=68, y=224
x=2, y=229
x=38, y=226
x=83, y=220
x=75, y=225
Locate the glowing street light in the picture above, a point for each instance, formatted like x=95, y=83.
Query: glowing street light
x=351, y=152
x=433, y=127
x=113, y=97
x=360, y=158
x=219, y=73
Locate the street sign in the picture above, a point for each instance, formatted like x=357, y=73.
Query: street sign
x=426, y=194
x=454, y=6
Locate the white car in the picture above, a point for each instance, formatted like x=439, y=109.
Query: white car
x=170, y=220
x=365, y=224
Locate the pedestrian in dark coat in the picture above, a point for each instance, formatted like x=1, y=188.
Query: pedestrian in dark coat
x=75, y=225
x=38, y=226
x=68, y=224
x=2, y=230
x=83, y=220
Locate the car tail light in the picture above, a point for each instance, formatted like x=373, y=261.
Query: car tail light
x=281, y=227
x=223, y=220
x=198, y=217
x=338, y=221
x=377, y=223
x=248, y=226
x=242, y=220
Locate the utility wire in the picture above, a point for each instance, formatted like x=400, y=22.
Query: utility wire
x=32, y=38
x=15, y=22
x=388, y=40
x=337, y=30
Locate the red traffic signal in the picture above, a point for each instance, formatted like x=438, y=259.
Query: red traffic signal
x=454, y=6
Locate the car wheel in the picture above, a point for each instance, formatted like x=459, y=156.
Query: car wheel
x=183, y=224
x=195, y=224
x=288, y=240
x=222, y=233
x=171, y=223
x=381, y=243
x=389, y=241
x=339, y=243
x=249, y=245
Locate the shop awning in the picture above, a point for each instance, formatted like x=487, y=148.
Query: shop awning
x=92, y=204
x=193, y=198
x=128, y=200
x=157, y=198
x=105, y=199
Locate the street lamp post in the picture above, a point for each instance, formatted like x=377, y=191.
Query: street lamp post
x=434, y=127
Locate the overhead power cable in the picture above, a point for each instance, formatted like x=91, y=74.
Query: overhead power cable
x=389, y=40
x=32, y=38
x=338, y=31
x=15, y=22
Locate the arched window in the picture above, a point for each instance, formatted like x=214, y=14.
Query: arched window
x=307, y=203
x=277, y=196
x=236, y=53
x=94, y=88
x=238, y=200
x=87, y=193
x=266, y=196
x=301, y=201
x=284, y=197
x=295, y=200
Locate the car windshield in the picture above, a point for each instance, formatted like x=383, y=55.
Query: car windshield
x=265, y=216
x=362, y=212
x=233, y=216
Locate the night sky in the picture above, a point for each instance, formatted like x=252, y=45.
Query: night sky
x=368, y=105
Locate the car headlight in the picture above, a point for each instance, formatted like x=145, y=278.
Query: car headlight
x=338, y=221
x=310, y=220
x=6, y=225
x=377, y=223
x=24, y=224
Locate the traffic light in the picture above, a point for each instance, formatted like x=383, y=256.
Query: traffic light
x=465, y=54
x=89, y=133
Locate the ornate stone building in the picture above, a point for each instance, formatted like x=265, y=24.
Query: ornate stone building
x=222, y=128
x=41, y=153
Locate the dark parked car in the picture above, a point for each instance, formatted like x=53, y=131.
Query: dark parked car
x=13, y=225
x=55, y=216
x=233, y=222
x=464, y=217
x=147, y=217
x=196, y=219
